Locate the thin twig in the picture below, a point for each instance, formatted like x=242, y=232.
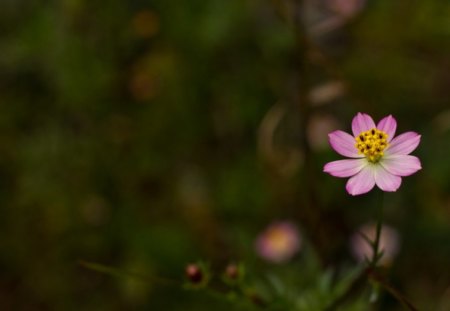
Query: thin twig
x=390, y=289
x=127, y=274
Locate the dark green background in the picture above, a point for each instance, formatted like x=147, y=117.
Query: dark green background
x=139, y=150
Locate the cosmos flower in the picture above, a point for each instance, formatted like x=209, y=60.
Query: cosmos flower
x=389, y=243
x=377, y=156
x=279, y=242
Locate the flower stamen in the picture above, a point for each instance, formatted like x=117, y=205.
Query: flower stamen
x=372, y=143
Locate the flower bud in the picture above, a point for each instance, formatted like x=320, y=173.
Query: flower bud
x=232, y=271
x=233, y=274
x=194, y=273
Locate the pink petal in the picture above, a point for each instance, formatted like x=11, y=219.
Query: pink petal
x=385, y=180
x=344, y=168
x=362, y=182
x=344, y=144
x=403, y=144
x=401, y=165
x=389, y=125
x=362, y=122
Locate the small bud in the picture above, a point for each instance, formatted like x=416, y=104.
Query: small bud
x=197, y=275
x=232, y=271
x=194, y=273
x=233, y=274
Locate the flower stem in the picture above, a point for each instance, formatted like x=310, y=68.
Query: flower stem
x=376, y=244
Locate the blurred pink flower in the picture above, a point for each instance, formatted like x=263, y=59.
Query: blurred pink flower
x=279, y=242
x=389, y=243
x=318, y=128
x=378, y=157
x=346, y=8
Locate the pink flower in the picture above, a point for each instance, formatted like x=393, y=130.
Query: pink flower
x=318, y=127
x=279, y=242
x=377, y=157
x=346, y=8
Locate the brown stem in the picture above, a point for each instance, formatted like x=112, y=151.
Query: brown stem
x=373, y=275
x=358, y=285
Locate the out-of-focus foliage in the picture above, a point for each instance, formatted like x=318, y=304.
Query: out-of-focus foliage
x=145, y=135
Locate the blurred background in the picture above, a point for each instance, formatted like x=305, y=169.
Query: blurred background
x=146, y=135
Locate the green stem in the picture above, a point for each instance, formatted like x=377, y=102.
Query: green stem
x=376, y=245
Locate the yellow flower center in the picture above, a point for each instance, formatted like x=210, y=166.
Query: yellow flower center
x=279, y=240
x=372, y=143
